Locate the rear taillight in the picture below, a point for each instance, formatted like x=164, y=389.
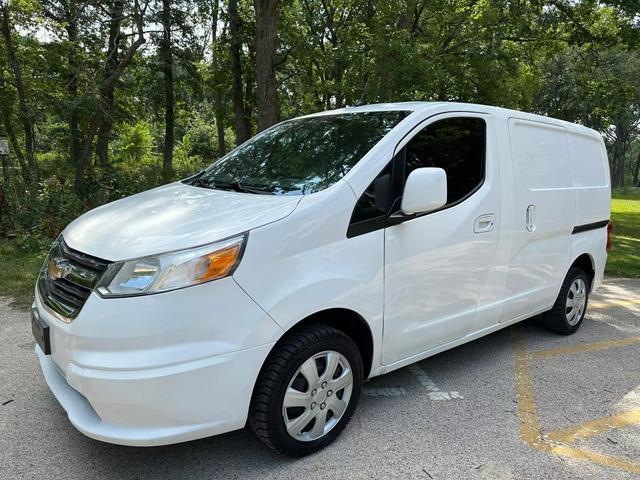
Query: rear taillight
x=609, y=229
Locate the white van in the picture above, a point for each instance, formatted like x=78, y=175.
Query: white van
x=327, y=250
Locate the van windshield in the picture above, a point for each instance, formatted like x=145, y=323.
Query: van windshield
x=300, y=156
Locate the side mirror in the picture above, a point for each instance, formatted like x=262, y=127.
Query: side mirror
x=424, y=191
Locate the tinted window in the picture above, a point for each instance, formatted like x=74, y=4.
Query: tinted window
x=373, y=202
x=456, y=145
x=303, y=155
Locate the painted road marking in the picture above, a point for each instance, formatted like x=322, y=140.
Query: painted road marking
x=434, y=392
x=559, y=441
x=586, y=347
x=383, y=392
x=613, y=303
x=595, y=427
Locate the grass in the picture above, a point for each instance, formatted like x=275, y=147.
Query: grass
x=20, y=267
x=624, y=257
x=21, y=264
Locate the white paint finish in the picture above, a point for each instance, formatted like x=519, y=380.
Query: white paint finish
x=588, y=160
x=590, y=171
x=160, y=330
x=151, y=367
x=305, y=264
x=164, y=406
x=172, y=352
x=544, y=215
x=172, y=217
x=425, y=190
x=436, y=268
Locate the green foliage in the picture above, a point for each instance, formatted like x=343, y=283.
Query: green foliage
x=576, y=60
x=624, y=257
x=20, y=266
x=135, y=143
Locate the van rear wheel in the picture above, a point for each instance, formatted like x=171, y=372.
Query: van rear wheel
x=571, y=305
x=307, y=391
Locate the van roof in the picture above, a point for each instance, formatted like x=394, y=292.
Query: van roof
x=499, y=111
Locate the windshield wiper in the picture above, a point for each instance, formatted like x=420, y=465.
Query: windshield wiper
x=235, y=186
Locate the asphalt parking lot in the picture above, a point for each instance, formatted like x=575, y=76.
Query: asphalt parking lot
x=522, y=403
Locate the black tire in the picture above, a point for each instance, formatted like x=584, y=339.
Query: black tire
x=266, y=410
x=556, y=318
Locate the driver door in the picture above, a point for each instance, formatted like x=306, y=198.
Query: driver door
x=437, y=264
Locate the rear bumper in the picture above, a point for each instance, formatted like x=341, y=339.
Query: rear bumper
x=161, y=406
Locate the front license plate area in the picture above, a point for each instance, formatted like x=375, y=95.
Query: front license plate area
x=40, y=331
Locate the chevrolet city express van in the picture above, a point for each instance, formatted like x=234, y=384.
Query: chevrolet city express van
x=326, y=250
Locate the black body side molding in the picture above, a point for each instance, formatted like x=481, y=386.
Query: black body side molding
x=590, y=226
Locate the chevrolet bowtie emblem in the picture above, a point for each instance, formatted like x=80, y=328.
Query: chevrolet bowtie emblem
x=59, y=268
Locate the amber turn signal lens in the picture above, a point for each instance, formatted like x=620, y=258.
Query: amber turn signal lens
x=220, y=263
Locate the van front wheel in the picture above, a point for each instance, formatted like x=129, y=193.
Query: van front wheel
x=568, y=312
x=307, y=391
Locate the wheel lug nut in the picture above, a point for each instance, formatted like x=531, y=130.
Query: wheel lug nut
x=324, y=384
x=313, y=405
x=322, y=405
x=329, y=393
x=314, y=391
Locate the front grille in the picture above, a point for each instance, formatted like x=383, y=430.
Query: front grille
x=67, y=279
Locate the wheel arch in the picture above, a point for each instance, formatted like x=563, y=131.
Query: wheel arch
x=586, y=263
x=345, y=320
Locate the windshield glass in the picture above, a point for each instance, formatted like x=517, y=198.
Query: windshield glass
x=300, y=156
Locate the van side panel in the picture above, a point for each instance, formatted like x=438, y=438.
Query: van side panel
x=590, y=171
x=544, y=212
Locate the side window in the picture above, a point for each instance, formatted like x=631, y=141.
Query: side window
x=456, y=145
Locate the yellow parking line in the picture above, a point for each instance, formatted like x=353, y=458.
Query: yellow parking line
x=530, y=423
x=597, y=458
x=613, y=303
x=594, y=427
x=586, y=347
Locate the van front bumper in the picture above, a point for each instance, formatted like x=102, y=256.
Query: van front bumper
x=162, y=369
x=160, y=407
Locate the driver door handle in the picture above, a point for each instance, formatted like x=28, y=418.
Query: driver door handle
x=484, y=223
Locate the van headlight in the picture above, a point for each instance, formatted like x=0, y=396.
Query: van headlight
x=173, y=270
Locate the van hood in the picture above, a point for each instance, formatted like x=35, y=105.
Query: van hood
x=172, y=217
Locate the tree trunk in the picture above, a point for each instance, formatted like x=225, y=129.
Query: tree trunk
x=217, y=105
x=266, y=46
x=108, y=95
x=217, y=96
x=619, y=151
x=242, y=127
x=25, y=112
x=635, y=178
x=169, y=117
x=72, y=81
x=107, y=84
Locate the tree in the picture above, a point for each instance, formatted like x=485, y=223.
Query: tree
x=67, y=14
x=242, y=125
x=169, y=101
x=107, y=100
x=106, y=86
x=217, y=77
x=25, y=110
x=599, y=89
x=266, y=46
